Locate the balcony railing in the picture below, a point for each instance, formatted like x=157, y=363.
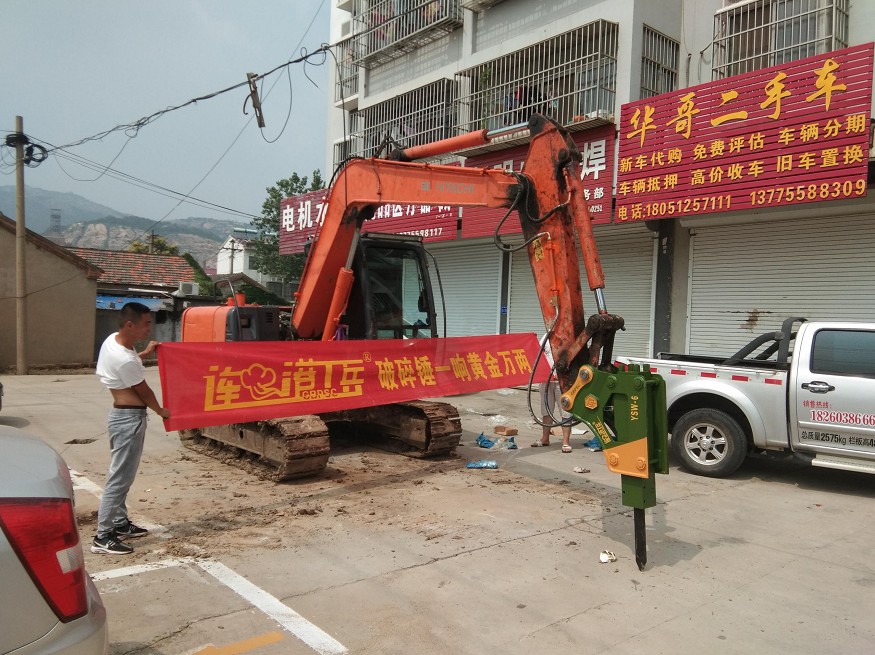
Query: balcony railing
x=419, y=116
x=763, y=33
x=346, y=86
x=479, y=5
x=569, y=77
x=387, y=29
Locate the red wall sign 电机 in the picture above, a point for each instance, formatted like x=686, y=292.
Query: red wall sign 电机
x=301, y=217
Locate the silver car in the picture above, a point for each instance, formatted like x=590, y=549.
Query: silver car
x=49, y=603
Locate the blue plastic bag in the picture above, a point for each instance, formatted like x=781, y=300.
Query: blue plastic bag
x=483, y=442
x=483, y=464
x=594, y=445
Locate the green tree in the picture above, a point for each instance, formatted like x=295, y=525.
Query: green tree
x=266, y=257
x=204, y=283
x=155, y=244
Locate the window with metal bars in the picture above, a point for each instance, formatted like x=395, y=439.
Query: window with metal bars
x=659, y=63
x=757, y=34
x=568, y=77
x=420, y=116
x=347, y=81
x=387, y=29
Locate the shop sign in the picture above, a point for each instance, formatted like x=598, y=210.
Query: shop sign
x=789, y=134
x=596, y=148
x=301, y=217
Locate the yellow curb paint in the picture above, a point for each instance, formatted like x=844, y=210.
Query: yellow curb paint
x=244, y=646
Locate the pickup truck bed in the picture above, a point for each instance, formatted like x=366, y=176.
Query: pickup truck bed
x=809, y=392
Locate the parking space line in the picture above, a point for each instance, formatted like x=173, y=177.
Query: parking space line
x=273, y=607
x=310, y=634
x=293, y=622
x=81, y=482
x=243, y=646
x=138, y=568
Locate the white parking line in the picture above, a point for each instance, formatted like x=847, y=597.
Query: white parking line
x=139, y=568
x=289, y=619
x=273, y=607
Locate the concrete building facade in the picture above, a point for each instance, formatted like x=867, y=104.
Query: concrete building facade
x=414, y=71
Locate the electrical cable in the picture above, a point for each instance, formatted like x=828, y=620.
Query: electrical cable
x=134, y=128
x=142, y=184
x=322, y=48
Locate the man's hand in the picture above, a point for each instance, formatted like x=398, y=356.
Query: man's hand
x=164, y=413
x=148, y=350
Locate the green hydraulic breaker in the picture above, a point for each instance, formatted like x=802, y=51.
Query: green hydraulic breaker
x=626, y=410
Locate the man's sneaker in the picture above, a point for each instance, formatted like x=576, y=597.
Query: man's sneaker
x=129, y=531
x=110, y=545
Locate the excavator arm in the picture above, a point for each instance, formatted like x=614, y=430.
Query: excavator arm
x=624, y=408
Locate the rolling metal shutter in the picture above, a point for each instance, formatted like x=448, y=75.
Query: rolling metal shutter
x=471, y=278
x=745, y=279
x=626, y=252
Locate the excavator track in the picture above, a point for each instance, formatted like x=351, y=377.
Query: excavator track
x=277, y=449
x=298, y=447
x=419, y=428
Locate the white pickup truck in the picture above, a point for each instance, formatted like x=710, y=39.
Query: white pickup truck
x=811, y=390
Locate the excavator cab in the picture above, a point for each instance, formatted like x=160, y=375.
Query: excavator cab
x=391, y=297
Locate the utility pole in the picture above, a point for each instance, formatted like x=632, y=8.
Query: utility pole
x=20, y=243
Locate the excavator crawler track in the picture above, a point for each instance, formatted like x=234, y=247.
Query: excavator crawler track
x=298, y=447
x=277, y=449
x=419, y=428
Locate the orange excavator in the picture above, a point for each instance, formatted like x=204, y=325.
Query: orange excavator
x=342, y=286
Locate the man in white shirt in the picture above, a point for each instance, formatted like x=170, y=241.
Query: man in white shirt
x=120, y=369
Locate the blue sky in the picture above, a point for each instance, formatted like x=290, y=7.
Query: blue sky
x=78, y=68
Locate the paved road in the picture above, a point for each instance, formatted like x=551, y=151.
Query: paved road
x=386, y=554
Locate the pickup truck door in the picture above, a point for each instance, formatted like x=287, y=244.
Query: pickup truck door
x=832, y=393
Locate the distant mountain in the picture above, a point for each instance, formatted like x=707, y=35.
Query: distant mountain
x=88, y=224
x=202, y=237
x=39, y=203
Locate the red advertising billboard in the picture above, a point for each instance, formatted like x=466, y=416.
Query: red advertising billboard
x=216, y=383
x=301, y=216
x=596, y=147
x=792, y=133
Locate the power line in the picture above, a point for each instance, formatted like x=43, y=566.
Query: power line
x=142, y=184
x=323, y=48
x=132, y=129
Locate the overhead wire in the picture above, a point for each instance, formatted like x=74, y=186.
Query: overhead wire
x=132, y=129
x=144, y=184
x=305, y=57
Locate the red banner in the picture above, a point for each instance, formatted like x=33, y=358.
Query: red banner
x=302, y=216
x=218, y=383
x=792, y=133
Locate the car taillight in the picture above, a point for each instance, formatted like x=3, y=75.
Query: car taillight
x=43, y=534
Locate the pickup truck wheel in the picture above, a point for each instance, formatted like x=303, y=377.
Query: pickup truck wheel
x=709, y=442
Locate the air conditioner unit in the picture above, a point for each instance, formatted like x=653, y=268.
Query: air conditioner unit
x=188, y=289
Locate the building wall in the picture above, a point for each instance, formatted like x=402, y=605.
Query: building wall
x=60, y=308
x=514, y=24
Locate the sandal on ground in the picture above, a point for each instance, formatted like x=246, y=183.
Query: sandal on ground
x=566, y=449
x=539, y=444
